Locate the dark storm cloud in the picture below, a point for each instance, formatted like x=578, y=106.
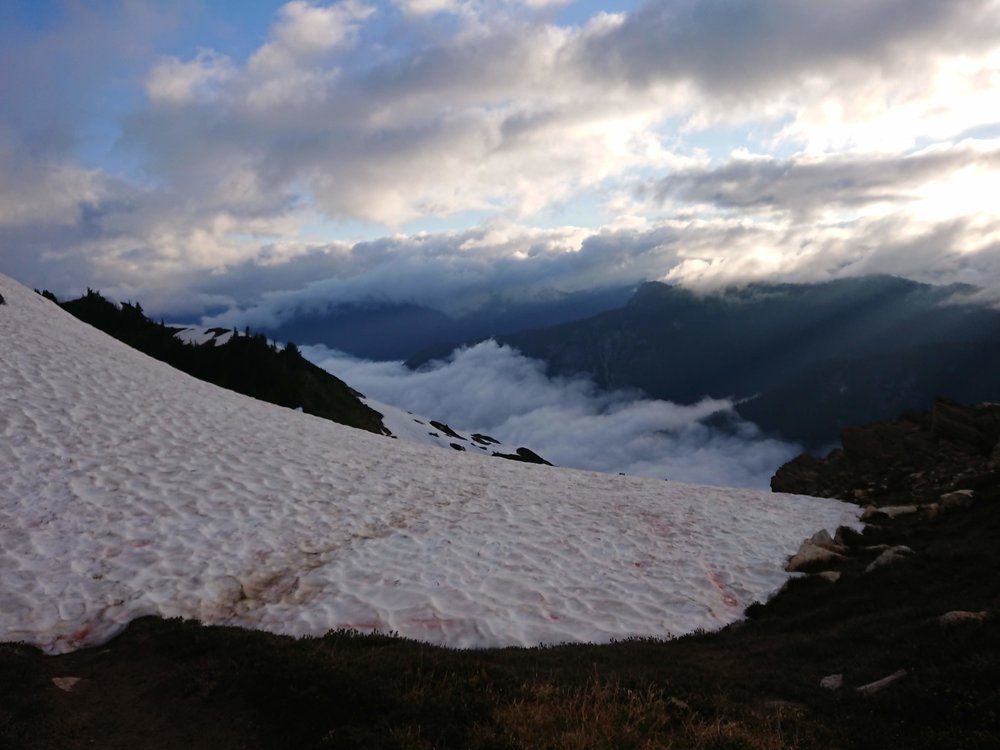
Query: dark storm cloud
x=454, y=272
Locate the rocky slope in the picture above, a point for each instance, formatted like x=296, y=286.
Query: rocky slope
x=902, y=653
x=912, y=460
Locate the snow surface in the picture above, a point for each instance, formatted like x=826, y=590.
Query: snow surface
x=128, y=488
x=198, y=335
x=416, y=428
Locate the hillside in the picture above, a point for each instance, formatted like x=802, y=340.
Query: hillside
x=179, y=498
x=245, y=364
x=801, y=360
x=164, y=494
x=900, y=654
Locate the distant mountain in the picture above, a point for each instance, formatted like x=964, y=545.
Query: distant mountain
x=803, y=360
x=390, y=331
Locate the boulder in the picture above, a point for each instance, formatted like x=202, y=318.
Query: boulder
x=873, y=687
x=888, y=511
x=66, y=684
x=829, y=575
x=961, y=617
x=888, y=557
x=832, y=682
x=823, y=539
x=956, y=499
x=848, y=537
x=811, y=556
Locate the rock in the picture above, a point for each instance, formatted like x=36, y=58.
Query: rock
x=956, y=499
x=873, y=687
x=525, y=455
x=811, y=556
x=65, y=683
x=890, y=556
x=832, y=682
x=847, y=537
x=442, y=427
x=829, y=575
x=823, y=539
x=889, y=511
x=961, y=617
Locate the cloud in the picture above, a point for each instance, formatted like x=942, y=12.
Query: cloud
x=736, y=48
x=806, y=185
x=453, y=272
x=175, y=82
x=557, y=157
x=495, y=390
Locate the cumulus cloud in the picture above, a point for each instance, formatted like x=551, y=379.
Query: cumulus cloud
x=495, y=390
x=175, y=82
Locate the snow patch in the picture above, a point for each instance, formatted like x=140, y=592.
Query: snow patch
x=128, y=488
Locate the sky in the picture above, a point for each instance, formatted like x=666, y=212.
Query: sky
x=241, y=158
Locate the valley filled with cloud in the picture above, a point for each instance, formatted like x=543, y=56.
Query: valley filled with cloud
x=495, y=390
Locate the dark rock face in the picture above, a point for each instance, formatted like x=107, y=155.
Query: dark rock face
x=445, y=429
x=913, y=459
x=525, y=455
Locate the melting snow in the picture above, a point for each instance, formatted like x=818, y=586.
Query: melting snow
x=198, y=336
x=128, y=488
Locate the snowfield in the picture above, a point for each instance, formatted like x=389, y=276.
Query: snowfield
x=128, y=488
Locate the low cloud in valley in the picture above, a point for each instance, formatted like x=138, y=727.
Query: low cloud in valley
x=495, y=390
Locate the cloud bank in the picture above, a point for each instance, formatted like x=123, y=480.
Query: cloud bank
x=495, y=390
x=445, y=150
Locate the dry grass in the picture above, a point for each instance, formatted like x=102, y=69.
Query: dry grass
x=605, y=714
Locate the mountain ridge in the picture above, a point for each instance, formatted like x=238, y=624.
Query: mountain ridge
x=801, y=361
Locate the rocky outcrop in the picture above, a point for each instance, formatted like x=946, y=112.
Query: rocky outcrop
x=832, y=682
x=919, y=459
x=816, y=553
x=889, y=557
x=525, y=455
